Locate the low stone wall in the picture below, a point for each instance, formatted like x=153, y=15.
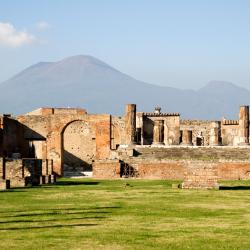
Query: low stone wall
x=171, y=163
x=169, y=170
x=175, y=170
x=234, y=170
x=159, y=170
x=21, y=172
x=107, y=169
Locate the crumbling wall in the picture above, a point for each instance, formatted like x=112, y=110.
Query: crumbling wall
x=171, y=163
x=21, y=172
x=200, y=131
x=109, y=169
x=12, y=137
x=229, y=133
x=54, y=136
x=117, y=131
x=79, y=144
x=171, y=128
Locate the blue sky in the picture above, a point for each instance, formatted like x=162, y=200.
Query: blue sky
x=176, y=43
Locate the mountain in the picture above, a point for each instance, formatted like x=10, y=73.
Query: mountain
x=84, y=81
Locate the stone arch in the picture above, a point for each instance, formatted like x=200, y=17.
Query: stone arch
x=78, y=145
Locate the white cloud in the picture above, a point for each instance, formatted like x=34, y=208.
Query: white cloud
x=42, y=25
x=11, y=37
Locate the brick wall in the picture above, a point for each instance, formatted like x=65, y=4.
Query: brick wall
x=171, y=163
x=107, y=169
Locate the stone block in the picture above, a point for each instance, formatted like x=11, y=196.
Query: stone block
x=18, y=182
x=109, y=169
x=4, y=184
x=201, y=176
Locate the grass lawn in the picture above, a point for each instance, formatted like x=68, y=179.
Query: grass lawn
x=124, y=214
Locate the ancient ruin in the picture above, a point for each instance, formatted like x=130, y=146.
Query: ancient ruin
x=150, y=145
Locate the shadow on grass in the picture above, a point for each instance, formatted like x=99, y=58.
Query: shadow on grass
x=51, y=226
x=75, y=183
x=54, y=219
x=59, y=183
x=57, y=213
x=64, y=209
x=234, y=188
x=15, y=190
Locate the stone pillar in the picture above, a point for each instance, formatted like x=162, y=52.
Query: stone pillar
x=158, y=134
x=2, y=168
x=243, y=132
x=214, y=134
x=130, y=124
x=187, y=138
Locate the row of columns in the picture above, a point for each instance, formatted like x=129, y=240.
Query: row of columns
x=158, y=132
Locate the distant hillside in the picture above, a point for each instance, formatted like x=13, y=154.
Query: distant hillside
x=84, y=81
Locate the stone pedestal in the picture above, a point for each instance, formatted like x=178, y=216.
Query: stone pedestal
x=214, y=134
x=243, y=132
x=18, y=182
x=187, y=138
x=130, y=124
x=158, y=134
x=201, y=177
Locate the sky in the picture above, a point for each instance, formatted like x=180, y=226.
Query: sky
x=177, y=43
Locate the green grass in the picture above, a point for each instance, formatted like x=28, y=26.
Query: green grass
x=124, y=214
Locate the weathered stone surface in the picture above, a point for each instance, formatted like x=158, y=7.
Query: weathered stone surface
x=4, y=184
x=110, y=169
x=187, y=138
x=214, y=139
x=73, y=139
x=201, y=176
x=130, y=124
x=158, y=138
x=244, y=125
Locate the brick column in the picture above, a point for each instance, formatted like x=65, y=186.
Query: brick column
x=243, y=132
x=187, y=138
x=130, y=124
x=214, y=134
x=158, y=134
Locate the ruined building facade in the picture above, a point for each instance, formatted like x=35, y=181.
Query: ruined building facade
x=152, y=145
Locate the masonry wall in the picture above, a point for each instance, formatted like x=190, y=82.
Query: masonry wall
x=175, y=170
x=68, y=137
x=110, y=169
x=200, y=130
x=229, y=134
x=12, y=140
x=117, y=131
x=171, y=129
x=171, y=163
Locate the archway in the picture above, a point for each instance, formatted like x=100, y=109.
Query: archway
x=78, y=147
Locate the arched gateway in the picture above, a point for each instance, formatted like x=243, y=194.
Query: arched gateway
x=78, y=146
